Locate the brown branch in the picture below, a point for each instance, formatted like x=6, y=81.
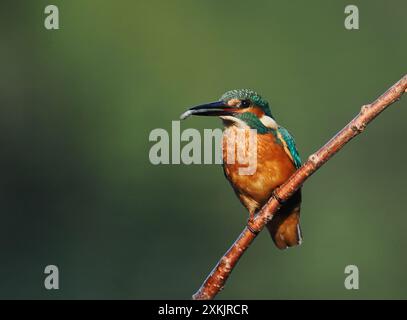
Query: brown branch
x=217, y=278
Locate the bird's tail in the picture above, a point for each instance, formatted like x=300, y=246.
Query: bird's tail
x=285, y=228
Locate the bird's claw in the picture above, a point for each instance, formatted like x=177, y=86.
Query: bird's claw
x=250, y=222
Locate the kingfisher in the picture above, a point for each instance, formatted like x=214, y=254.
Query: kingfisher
x=277, y=159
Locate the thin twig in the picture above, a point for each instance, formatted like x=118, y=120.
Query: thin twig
x=217, y=278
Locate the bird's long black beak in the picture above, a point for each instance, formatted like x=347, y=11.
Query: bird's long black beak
x=218, y=108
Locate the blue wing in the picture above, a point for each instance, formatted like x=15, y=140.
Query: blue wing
x=290, y=144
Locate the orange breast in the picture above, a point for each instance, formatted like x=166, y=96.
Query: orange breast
x=274, y=167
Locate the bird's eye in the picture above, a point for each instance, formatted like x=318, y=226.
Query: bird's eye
x=245, y=103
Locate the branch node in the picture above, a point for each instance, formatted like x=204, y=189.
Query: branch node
x=364, y=109
x=314, y=159
x=358, y=127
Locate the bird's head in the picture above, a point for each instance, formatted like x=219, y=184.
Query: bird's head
x=236, y=106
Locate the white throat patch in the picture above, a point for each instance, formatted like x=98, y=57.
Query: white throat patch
x=268, y=122
x=237, y=122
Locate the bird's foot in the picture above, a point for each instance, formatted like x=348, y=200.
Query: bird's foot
x=276, y=196
x=250, y=222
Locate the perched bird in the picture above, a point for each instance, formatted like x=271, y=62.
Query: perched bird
x=277, y=159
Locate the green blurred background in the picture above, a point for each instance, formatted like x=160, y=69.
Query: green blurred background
x=77, y=107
